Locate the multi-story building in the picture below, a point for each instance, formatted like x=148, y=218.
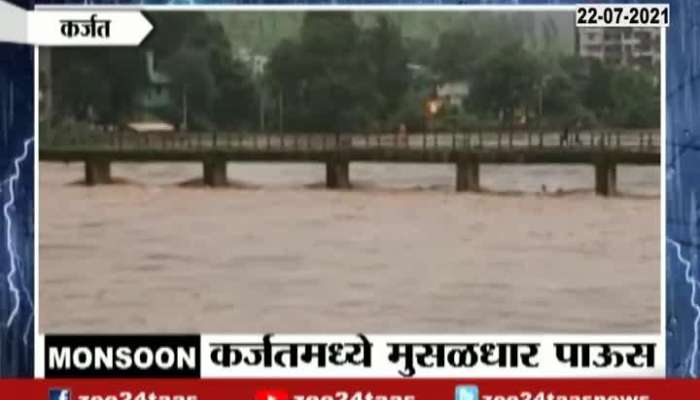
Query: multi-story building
x=634, y=47
x=158, y=93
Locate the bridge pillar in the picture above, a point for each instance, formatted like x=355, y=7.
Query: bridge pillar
x=97, y=172
x=338, y=175
x=467, y=175
x=215, y=173
x=605, y=178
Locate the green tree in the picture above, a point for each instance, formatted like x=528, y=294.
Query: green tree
x=174, y=30
x=419, y=50
x=286, y=77
x=326, y=77
x=635, y=99
x=235, y=97
x=107, y=84
x=388, y=62
x=339, y=78
x=458, y=53
x=339, y=95
x=597, y=92
x=99, y=83
x=506, y=81
x=560, y=99
x=197, y=57
x=192, y=79
x=235, y=94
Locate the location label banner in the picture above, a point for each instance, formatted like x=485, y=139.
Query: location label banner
x=72, y=28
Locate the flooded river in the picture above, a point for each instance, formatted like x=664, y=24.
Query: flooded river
x=402, y=253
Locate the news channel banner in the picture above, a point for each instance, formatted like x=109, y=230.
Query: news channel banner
x=121, y=91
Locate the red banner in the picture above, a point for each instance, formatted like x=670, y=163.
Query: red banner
x=350, y=389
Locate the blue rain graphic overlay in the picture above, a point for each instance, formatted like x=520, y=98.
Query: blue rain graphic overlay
x=682, y=184
x=17, y=198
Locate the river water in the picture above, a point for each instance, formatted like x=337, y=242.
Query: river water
x=401, y=253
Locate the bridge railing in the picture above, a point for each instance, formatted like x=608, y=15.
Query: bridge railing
x=627, y=140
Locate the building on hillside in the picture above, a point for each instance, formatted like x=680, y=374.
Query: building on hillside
x=453, y=93
x=255, y=62
x=630, y=47
x=150, y=127
x=158, y=94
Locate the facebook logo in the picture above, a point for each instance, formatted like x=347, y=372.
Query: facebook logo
x=59, y=394
x=467, y=392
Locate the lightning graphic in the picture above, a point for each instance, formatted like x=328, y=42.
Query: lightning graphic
x=693, y=302
x=10, y=245
x=686, y=143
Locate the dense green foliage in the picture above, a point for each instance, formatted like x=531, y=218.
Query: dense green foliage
x=106, y=85
x=341, y=75
x=338, y=77
x=100, y=84
x=220, y=92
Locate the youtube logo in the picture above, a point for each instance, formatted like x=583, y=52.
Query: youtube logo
x=271, y=395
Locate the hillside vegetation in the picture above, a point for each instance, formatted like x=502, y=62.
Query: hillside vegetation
x=262, y=31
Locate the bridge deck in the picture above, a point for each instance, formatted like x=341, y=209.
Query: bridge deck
x=642, y=148
x=466, y=150
x=487, y=156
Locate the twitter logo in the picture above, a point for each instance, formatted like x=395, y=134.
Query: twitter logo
x=467, y=392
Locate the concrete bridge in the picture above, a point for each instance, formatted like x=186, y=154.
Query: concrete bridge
x=466, y=150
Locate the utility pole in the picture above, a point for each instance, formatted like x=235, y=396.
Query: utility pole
x=543, y=81
x=184, y=108
x=281, y=109
x=262, y=109
x=541, y=100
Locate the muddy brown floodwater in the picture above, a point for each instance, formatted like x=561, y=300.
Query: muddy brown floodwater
x=402, y=253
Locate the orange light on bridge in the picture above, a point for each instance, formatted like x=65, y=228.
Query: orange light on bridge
x=433, y=106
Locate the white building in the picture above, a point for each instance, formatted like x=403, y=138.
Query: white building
x=453, y=93
x=256, y=62
x=636, y=47
x=157, y=93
